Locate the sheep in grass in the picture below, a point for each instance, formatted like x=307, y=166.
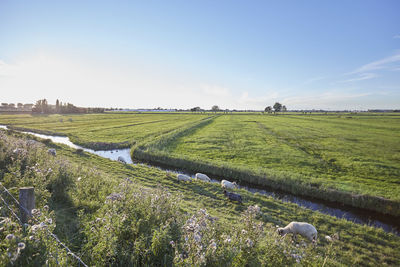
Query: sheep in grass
x=228, y=185
x=52, y=152
x=202, y=177
x=121, y=159
x=184, y=178
x=305, y=229
x=233, y=196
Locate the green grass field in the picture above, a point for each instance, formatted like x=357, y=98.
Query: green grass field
x=87, y=130
x=350, y=158
x=360, y=154
x=76, y=191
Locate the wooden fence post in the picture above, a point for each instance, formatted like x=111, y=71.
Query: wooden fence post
x=27, y=202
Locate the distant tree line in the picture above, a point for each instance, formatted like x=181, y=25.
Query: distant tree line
x=43, y=107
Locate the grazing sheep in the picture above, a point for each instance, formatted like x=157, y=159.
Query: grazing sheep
x=202, y=177
x=228, y=185
x=121, y=159
x=305, y=229
x=183, y=177
x=52, y=152
x=233, y=196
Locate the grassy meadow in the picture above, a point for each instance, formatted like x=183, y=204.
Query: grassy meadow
x=108, y=219
x=359, y=154
x=101, y=131
x=349, y=158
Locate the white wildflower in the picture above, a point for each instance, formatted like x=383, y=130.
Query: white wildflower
x=10, y=236
x=21, y=245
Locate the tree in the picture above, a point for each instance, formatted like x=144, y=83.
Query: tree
x=277, y=107
x=215, y=108
x=284, y=108
x=268, y=109
x=195, y=109
x=57, y=106
x=20, y=105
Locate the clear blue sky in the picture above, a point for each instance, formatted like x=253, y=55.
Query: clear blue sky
x=235, y=54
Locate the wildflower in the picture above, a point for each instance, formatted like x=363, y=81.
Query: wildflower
x=31, y=237
x=35, y=228
x=46, y=208
x=249, y=242
x=49, y=221
x=172, y=243
x=79, y=178
x=36, y=212
x=21, y=246
x=244, y=232
x=228, y=240
x=255, y=209
x=10, y=236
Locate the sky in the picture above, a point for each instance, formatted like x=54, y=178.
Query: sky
x=236, y=54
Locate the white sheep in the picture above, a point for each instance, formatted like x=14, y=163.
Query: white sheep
x=183, y=177
x=305, y=229
x=121, y=159
x=227, y=184
x=202, y=177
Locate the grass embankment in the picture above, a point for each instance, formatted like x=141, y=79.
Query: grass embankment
x=136, y=225
x=355, y=161
x=102, y=131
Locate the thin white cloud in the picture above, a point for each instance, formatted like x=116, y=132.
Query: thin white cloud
x=361, y=77
x=397, y=36
x=368, y=71
x=379, y=64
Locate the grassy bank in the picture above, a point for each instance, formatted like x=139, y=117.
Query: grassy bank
x=137, y=223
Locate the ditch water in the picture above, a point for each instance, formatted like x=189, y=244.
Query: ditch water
x=360, y=216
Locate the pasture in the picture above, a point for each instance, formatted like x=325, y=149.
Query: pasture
x=357, y=154
x=93, y=130
x=349, y=158
x=77, y=188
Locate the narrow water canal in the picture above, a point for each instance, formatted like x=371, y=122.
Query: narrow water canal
x=387, y=223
